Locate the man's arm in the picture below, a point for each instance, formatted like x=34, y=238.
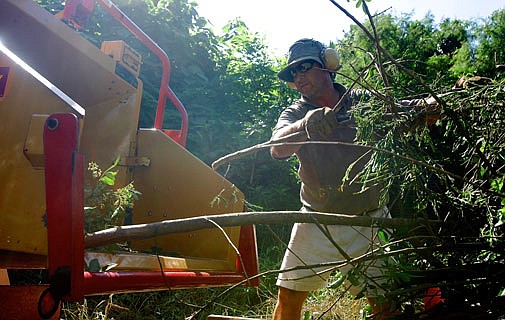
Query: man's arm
x=317, y=124
x=285, y=151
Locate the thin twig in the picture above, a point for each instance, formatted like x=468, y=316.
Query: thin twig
x=237, y=252
x=282, y=141
x=379, y=65
x=216, y=164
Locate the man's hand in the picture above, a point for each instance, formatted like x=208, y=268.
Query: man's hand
x=320, y=123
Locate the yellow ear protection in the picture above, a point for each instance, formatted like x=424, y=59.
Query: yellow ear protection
x=331, y=59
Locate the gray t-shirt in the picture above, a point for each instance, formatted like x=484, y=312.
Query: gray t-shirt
x=322, y=167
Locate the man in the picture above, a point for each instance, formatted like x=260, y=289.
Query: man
x=322, y=170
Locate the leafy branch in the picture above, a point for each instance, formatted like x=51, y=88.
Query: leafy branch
x=105, y=205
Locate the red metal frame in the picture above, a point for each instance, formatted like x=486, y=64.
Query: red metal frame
x=113, y=282
x=64, y=181
x=109, y=282
x=165, y=91
x=248, y=250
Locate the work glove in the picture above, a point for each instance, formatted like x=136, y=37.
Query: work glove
x=320, y=123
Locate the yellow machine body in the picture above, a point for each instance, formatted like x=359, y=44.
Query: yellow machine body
x=173, y=183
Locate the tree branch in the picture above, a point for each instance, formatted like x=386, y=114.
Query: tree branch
x=151, y=230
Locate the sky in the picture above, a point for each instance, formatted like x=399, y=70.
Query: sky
x=282, y=22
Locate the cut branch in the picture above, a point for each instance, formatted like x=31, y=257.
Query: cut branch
x=144, y=231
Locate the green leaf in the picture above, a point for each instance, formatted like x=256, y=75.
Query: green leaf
x=404, y=276
x=109, y=178
x=383, y=236
x=368, y=310
x=337, y=283
x=353, y=280
x=497, y=184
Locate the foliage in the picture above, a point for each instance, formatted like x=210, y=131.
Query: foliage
x=106, y=206
x=254, y=97
x=491, y=41
x=410, y=42
x=426, y=179
x=440, y=54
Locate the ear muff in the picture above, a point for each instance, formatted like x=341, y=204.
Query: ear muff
x=331, y=59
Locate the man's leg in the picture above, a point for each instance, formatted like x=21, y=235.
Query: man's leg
x=289, y=304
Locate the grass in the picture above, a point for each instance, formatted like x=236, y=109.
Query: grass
x=334, y=304
x=172, y=305
x=255, y=302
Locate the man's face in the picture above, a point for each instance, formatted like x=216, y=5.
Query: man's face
x=309, y=78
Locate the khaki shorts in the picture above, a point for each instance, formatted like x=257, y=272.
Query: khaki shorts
x=309, y=246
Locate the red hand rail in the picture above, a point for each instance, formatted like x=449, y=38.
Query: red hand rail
x=165, y=92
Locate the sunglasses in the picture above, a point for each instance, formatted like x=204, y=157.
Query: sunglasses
x=301, y=68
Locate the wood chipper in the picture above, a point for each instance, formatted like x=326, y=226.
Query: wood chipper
x=64, y=104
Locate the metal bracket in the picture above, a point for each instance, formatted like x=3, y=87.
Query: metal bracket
x=135, y=162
